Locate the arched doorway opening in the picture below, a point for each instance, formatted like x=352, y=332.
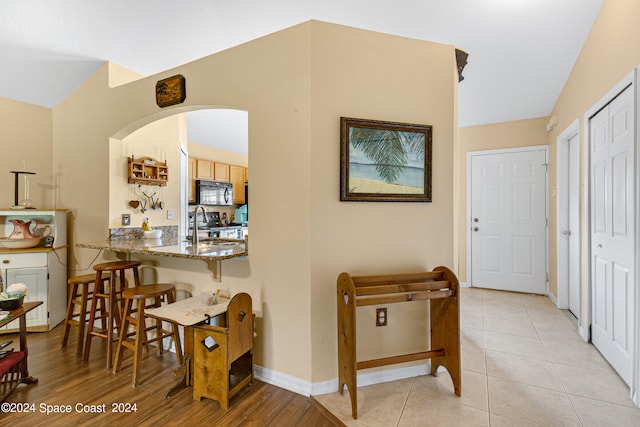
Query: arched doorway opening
x=213, y=132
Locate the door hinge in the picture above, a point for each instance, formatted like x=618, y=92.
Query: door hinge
x=547, y=277
x=546, y=166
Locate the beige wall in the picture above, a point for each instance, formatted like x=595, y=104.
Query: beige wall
x=519, y=133
x=160, y=140
x=610, y=52
x=26, y=135
x=382, y=78
x=301, y=240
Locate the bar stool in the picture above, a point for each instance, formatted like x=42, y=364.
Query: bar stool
x=78, y=298
x=140, y=295
x=113, y=295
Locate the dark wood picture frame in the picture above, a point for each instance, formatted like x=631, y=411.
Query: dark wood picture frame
x=385, y=161
x=171, y=91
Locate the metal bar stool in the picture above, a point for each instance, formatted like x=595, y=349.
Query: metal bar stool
x=140, y=295
x=113, y=295
x=78, y=298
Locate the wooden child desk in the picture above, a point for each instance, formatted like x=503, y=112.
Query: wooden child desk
x=188, y=313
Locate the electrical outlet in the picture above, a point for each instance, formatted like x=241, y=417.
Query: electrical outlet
x=169, y=214
x=126, y=220
x=381, y=317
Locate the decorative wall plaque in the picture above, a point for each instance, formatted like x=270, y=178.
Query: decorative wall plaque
x=171, y=90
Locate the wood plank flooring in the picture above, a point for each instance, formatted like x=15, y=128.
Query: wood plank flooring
x=64, y=379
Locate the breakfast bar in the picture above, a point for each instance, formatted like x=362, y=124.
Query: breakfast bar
x=210, y=250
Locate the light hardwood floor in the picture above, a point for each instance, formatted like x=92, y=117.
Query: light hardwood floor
x=64, y=379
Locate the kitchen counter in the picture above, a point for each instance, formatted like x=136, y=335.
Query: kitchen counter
x=209, y=249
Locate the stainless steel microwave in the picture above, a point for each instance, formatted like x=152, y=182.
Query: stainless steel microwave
x=213, y=193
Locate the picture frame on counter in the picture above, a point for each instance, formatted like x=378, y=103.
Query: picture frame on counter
x=385, y=161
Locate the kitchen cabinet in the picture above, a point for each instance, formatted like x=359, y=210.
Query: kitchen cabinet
x=43, y=270
x=221, y=172
x=191, y=192
x=238, y=176
x=217, y=171
x=204, y=169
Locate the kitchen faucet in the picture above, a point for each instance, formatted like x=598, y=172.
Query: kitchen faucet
x=194, y=235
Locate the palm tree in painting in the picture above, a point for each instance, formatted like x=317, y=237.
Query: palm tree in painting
x=389, y=150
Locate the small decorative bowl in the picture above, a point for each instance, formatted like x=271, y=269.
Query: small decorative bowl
x=11, y=303
x=152, y=234
x=20, y=243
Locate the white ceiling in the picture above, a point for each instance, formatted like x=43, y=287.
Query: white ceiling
x=520, y=51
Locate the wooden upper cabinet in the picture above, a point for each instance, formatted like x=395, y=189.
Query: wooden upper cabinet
x=238, y=178
x=204, y=169
x=221, y=172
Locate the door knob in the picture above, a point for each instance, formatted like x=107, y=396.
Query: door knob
x=567, y=232
x=599, y=245
x=475, y=220
x=475, y=229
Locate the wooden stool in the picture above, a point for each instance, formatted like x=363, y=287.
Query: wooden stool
x=140, y=294
x=78, y=297
x=113, y=295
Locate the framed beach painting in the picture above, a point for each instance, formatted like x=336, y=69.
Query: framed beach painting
x=384, y=161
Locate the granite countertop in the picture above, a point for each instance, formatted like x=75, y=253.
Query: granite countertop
x=209, y=249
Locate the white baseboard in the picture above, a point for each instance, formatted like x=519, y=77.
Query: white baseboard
x=553, y=298
x=306, y=388
x=464, y=285
x=281, y=380
x=584, y=333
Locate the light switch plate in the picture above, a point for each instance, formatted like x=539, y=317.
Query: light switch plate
x=126, y=220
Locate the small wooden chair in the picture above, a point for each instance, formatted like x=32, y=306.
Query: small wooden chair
x=223, y=355
x=141, y=339
x=79, y=296
x=11, y=369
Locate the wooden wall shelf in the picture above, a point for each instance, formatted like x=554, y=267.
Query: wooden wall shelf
x=439, y=287
x=147, y=170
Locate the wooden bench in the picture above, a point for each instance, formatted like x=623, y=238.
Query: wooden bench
x=439, y=287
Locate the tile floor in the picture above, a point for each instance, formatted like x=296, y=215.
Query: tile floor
x=523, y=364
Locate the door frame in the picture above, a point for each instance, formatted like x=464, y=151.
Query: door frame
x=470, y=156
x=631, y=79
x=562, y=260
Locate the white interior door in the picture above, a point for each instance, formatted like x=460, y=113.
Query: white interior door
x=612, y=231
x=509, y=220
x=572, y=232
x=569, y=232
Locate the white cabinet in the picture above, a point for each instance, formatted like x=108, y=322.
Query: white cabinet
x=43, y=270
x=36, y=280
